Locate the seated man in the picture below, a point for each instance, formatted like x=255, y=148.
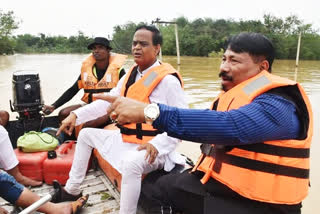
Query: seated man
x=135, y=149
x=8, y=159
x=17, y=194
x=100, y=72
x=4, y=118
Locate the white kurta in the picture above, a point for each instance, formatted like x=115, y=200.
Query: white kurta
x=8, y=159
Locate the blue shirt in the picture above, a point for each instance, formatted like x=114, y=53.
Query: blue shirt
x=267, y=117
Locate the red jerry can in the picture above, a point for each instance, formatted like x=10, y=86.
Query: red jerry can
x=58, y=168
x=31, y=164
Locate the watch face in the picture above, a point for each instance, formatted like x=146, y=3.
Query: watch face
x=152, y=112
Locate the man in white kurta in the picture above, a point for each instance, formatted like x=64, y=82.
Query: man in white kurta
x=124, y=156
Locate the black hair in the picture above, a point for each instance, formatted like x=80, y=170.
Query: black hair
x=255, y=44
x=156, y=35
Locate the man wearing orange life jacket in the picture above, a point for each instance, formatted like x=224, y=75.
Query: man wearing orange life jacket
x=100, y=72
x=256, y=139
x=137, y=148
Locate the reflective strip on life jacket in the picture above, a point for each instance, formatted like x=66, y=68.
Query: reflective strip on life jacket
x=141, y=90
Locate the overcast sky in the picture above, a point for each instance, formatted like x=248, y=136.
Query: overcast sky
x=98, y=17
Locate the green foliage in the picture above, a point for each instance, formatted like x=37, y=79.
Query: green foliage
x=217, y=54
x=206, y=37
x=105, y=196
x=6, y=45
x=310, y=47
x=7, y=26
x=122, y=37
x=200, y=37
x=169, y=40
x=52, y=44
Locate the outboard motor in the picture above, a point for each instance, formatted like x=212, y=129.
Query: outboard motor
x=27, y=96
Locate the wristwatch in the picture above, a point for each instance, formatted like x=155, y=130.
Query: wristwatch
x=151, y=113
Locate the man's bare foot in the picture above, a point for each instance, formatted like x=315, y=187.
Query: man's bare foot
x=71, y=208
x=63, y=208
x=3, y=211
x=78, y=204
x=28, y=181
x=15, y=172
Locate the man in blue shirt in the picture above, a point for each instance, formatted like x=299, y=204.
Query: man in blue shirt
x=256, y=138
x=15, y=193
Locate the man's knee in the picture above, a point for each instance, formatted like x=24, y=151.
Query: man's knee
x=84, y=134
x=134, y=163
x=4, y=118
x=63, y=114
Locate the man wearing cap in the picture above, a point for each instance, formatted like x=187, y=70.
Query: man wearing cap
x=100, y=72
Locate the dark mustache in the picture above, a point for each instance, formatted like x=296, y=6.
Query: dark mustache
x=225, y=76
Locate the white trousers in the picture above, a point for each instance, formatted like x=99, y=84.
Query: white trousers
x=8, y=158
x=122, y=156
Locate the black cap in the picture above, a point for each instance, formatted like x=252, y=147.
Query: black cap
x=100, y=41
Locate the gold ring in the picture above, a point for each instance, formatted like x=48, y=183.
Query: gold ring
x=113, y=115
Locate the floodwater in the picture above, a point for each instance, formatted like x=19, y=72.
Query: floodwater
x=200, y=74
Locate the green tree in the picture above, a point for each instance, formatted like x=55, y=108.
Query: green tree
x=169, y=40
x=252, y=26
x=200, y=37
x=122, y=37
x=7, y=25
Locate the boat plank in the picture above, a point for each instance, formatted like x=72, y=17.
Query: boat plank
x=103, y=198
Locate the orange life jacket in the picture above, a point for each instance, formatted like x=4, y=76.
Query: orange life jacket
x=141, y=132
x=110, y=79
x=273, y=171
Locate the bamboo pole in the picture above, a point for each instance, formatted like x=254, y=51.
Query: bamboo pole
x=160, y=52
x=298, y=50
x=157, y=21
x=177, y=43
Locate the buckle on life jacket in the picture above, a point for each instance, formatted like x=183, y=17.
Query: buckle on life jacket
x=217, y=152
x=207, y=149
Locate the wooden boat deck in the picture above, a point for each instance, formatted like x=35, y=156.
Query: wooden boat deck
x=103, y=197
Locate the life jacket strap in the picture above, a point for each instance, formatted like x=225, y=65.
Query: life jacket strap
x=95, y=91
x=276, y=150
x=139, y=133
x=222, y=157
